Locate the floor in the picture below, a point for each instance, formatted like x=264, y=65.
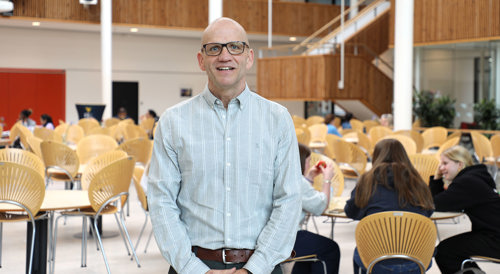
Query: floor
x=69, y=245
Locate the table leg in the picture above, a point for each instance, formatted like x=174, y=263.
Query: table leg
x=40, y=250
x=333, y=225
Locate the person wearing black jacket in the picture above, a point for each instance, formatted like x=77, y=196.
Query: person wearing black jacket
x=460, y=186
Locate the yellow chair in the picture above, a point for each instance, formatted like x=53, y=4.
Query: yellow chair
x=495, y=146
x=407, y=142
x=454, y=134
x=108, y=186
x=482, y=147
x=47, y=134
x=357, y=125
x=368, y=124
x=100, y=130
x=415, y=135
x=378, y=132
x=303, y=135
x=395, y=234
x=73, y=135
x=318, y=133
x=132, y=131
x=147, y=124
x=94, y=145
x=314, y=120
x=141, y=195
x=298, y=120
x=363, y=141
x=87, y=124
x=141, y=148
x=351, y=159
x=434, y=137
x=425, y=164
x=446, y=145
x=23, y=187
x=23, y=157
x=34, y=145
x=97, y=163
x=61, y=162
x=111, y=122
x=476, y=258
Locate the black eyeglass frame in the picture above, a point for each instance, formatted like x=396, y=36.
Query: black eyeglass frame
x=224, y=45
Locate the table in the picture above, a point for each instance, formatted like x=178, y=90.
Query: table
x=54, y=200
x=336, y=210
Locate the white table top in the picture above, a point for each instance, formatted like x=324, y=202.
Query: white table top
x=58, y=200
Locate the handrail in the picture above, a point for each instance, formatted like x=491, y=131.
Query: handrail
x=326, y=26
x=468, y=130
x=325, y=39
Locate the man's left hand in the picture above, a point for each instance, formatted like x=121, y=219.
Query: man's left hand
x=241, y=271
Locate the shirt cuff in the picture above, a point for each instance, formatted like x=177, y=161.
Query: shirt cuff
x=257, y=265
x=194, y=265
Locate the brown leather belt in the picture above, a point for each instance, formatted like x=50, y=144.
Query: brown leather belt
x=223, y=255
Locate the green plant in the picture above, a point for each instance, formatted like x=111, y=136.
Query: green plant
x=486, y=114
x=433, y=110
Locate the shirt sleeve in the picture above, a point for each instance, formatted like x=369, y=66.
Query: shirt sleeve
x=276, y=240
x=164, y=180
x=351, y=210
x=313, y=201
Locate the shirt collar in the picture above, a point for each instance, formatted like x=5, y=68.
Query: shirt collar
x=241, y=100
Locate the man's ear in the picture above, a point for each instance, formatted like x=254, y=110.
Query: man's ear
x=201, y=61
x=250, y=58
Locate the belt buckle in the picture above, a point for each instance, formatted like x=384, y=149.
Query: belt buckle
x=224, y=256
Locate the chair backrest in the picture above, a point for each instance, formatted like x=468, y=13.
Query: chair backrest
x=425, y=164
x=407, y=142
x=446, y=145
x=434, y=137
x=315, y=119
x=396, y=234
x=482, y=146
x=87, y=124
x=147, y=124
x=21, y=184
x=74, y=133
x=110, y=181
x=141, y=195
x=23, y=157
x=318, y=133
x=55, y=154
x=349, y=154
x=97, y=163
x=369, y=124
x=357, y=125
x=100, y=130
x=111, y=122
x=337, y=182
x=454, y=134
x=141, y=148
x=23, y=133
x=378, y=132
x=298, y=120
x=132, y=131
x=363, y=142
x=34, y=145
x=47, y=134
x=303, y=135
x=495, y=145
x=415, y=135
x=94, y=145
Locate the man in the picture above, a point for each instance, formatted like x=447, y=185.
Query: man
x=223, y=188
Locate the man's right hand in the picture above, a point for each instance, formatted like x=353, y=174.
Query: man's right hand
x=224, y=271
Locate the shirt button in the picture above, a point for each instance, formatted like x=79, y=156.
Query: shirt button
x=229, y=240
x=228, y=188
x=228, y=164
x=228, y=139
x=228, y=214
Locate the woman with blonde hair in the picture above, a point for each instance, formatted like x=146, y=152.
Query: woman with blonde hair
x=458, y=185
x=393, y=184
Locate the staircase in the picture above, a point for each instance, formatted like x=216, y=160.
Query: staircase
x=310, y=71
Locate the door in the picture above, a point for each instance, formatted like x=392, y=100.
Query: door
x=126, y=95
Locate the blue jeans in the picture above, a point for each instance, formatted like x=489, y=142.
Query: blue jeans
x=388, y=266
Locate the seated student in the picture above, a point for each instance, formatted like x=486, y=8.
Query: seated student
x=122, y=113
x=315, y=202
x=458, y=185
x=346, y=121
x=332, y=129
x=393, y=184
x=24, y=117
x=46, y=121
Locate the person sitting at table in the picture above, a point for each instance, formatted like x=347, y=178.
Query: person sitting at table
x=458, y=185
x=393, y=184
x=332, y=129
x=46, y=121
x=315, y=202
x=24, y=117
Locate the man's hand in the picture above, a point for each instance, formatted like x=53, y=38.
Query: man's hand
x=241, y=271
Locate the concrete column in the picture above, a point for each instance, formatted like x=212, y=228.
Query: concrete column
x=214, y=10
x=353, y=5
x=106, y=56
x=269, y=23
x=496, y=70
x=403, y=64
x=418, y=63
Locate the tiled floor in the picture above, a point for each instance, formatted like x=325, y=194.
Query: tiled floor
x=68, y=245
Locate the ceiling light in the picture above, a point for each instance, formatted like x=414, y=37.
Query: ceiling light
x=292, y=38
x=35, y=24
x=134, y=29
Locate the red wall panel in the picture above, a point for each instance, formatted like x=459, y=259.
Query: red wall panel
x=42, y=91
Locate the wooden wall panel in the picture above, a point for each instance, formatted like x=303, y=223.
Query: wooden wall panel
x=375, y=36
x=450, y=21
x=315, y=78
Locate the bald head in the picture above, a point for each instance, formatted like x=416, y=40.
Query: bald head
x=224, y=28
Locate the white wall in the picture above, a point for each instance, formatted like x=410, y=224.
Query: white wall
x=161, y=65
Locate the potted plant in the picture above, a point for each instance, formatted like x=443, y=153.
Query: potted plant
x=433, y=109
x=486, y=114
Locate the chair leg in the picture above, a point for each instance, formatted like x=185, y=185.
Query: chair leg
x=33, y=234
x=96, y=229
x=149, y=240
x=142, y=230
x=129, y=241
x=1, y=233
x=122, y=234
x=84, y=242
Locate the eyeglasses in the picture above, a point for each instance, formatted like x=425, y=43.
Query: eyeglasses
x=215, y=49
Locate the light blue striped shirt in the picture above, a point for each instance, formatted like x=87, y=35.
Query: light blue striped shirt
x=225, y=178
